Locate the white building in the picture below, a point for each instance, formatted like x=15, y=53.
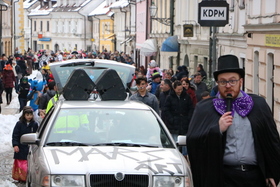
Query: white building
x=61, y=25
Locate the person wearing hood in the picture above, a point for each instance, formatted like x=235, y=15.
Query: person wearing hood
x=47, y=96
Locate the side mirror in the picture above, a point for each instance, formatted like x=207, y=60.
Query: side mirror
x=30, y=138
x=181, y=140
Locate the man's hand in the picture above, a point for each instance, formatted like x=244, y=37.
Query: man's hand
x=225, y=121
x=270, y=182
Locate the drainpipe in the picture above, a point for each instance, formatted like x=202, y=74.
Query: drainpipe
x=124, y=28
x=14, y=31
x=31, y=33
x=171, y=17
x=91, y=28
x=85, y=37
x=98, y=31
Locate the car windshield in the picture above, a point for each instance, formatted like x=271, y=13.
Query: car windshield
x=102, y=127
x=63, y=71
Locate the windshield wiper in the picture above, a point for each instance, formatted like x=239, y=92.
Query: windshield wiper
x=67, y=144
x=124, y=144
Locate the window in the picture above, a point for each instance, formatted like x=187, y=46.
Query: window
x=69, y=27
x=48, y=26
x=35, y=26
x=41, y=26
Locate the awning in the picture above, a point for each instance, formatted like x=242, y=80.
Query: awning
x=45, y=39
x=110, y=36
x=149, y=48
x=127, y=40
x=170, y=44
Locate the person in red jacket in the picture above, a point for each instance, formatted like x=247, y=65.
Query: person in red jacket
x=9, y=79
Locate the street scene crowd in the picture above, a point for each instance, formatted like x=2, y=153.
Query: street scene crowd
x=223, y=143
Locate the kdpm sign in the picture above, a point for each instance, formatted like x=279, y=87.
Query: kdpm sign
x=213, y=13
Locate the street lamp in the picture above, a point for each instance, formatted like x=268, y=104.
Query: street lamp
x=3, y=7
x=153, y=12
x=22, y=32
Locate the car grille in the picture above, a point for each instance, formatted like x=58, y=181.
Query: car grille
x=111, y=181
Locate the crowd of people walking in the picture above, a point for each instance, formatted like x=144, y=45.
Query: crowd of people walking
x=186, y=105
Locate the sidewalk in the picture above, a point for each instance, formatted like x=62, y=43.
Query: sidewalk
x=8, y=111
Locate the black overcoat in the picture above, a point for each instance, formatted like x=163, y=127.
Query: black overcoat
x=206, y=144
x=178, y=112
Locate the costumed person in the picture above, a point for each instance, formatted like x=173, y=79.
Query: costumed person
x=26, y=124
x=233, y=146
x=9, y=79
x=153, y=68
x=37, y=86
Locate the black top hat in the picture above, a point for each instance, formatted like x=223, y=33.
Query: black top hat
x=228, y=63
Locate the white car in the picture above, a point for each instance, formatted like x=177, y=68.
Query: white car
x=104, y=143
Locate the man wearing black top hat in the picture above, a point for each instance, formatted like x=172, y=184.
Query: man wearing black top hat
x=232, y=138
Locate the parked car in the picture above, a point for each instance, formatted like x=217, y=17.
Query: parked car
x=103, y=143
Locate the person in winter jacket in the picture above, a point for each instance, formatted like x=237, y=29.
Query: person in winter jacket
x=22, y=65
x=178, y=109
x=17, y=73
x=1, y=91
x=165, y=87
x=47, y=96
x=24, y=88
x=9, y=80
x=26, y=124
x=190, y=90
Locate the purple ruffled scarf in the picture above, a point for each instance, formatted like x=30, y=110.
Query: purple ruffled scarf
x=242, y=105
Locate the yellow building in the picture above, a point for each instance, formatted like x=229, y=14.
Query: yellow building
x=6, y=28
x=107, y=36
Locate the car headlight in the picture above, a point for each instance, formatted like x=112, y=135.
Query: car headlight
x=68, y=180
x=171, y=181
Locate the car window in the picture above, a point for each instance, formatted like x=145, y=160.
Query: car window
x=62, y=72
x=103, y=126
x=44, y=123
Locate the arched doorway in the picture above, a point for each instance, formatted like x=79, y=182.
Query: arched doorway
x=56, y=47
x=186, y=61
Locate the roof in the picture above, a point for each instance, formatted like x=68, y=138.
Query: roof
x=102, y=9
x=55, y=8
x=120, y=4
x=28, y=4
x=40, y=11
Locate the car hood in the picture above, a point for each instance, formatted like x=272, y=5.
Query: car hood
x=108, y=159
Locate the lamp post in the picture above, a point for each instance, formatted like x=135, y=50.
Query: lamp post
x=153, y=13
x=3, y=7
